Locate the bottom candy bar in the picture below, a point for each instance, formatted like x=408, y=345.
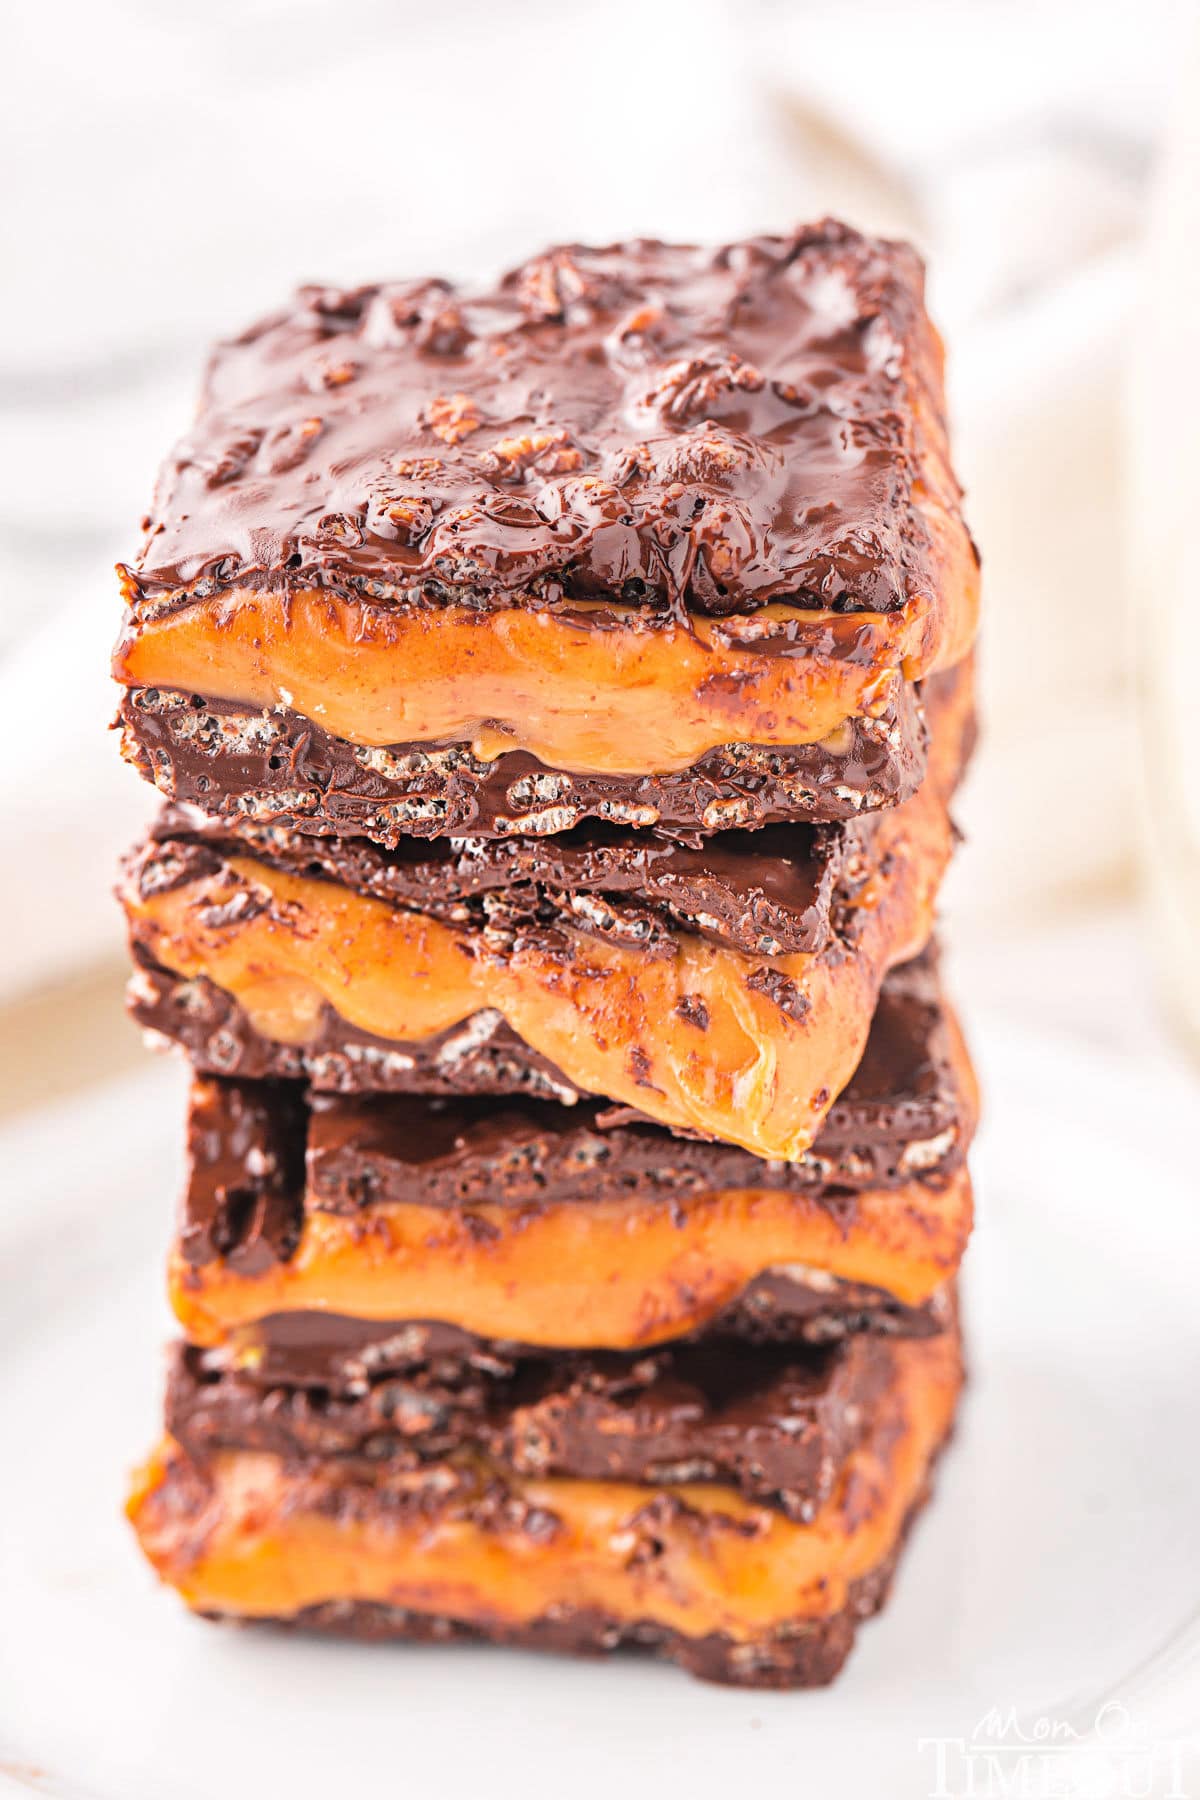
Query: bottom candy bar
x=753, y=1567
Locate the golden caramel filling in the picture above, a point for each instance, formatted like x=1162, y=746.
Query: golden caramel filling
x=605, y=1274
x=614, y=1020
x=610, y=699
x=247, y=1535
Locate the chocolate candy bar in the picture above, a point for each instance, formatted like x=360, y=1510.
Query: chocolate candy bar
x=748, y=1555
x=732, y=997
x=558, y=691
x=776, y=1423
x=649, y=534
x=536, y=1225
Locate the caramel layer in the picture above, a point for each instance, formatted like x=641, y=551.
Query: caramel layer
x=248, y=1535
x=783, y=1036
x=607, y=1274
x=609, y=697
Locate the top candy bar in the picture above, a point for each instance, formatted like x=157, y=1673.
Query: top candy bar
x=653, y=534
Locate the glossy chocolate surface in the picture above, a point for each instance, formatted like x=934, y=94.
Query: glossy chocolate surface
x=654, y=425
x=768, y=893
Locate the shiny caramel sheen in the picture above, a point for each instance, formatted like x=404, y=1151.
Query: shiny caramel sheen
x=616, y=1274
x=615, y=1020
x=580, y=688
x=248, y=1535
x=609, y=1017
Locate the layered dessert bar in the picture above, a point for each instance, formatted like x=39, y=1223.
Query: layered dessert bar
x=374, y=1221
x=724, y=988
x=558, y=692
x=381, y=1424
x=738, y=1513
x=655, y=535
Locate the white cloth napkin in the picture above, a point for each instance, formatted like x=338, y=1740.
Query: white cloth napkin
x=70, y=806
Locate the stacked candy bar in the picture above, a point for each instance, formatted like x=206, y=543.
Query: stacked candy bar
x=557, y=693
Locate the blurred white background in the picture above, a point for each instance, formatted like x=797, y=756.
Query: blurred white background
x=172, y=169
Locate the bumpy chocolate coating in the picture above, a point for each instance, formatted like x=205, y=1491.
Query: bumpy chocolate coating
x=769, y=893
x=344, y=1355
x=651, y=424
x=776, y=1423
x=483, y=1055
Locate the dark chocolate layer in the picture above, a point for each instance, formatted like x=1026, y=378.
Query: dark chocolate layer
x=277, y=767
x=776, y=1423
x=781, y=1307
x=655, y=425
x=809, y=1654
x=770, y=893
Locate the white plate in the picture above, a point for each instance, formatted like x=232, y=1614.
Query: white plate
x=1061, y=1552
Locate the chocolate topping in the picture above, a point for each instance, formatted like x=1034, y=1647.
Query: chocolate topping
x=649, y=424
x=343, y=1355
x=768, y=893
x=777, y=1423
